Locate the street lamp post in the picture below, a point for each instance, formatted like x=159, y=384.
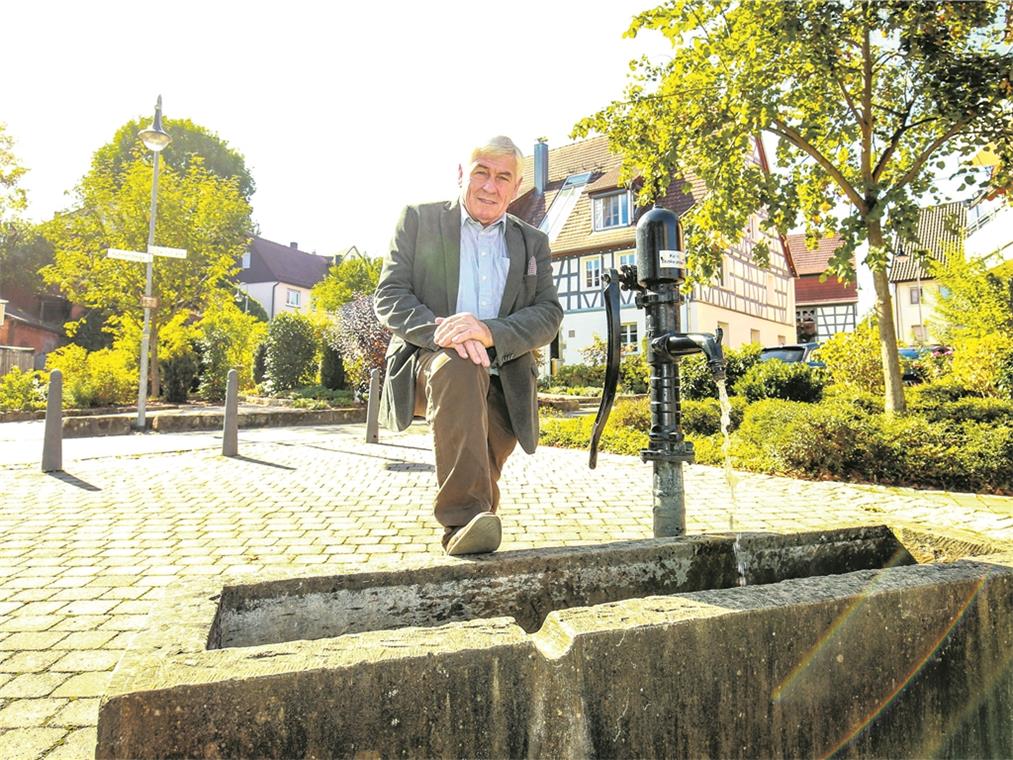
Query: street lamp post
x=155, y=139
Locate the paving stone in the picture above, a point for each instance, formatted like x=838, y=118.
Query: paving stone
x=29, y=685
x=84, y=640
x=31, y=640
x=76, y=745
x=29, y=662
x=28, y=713
x=86, y=660
x=15, y=623
x=29, y=743
x=78, y=712
x=84, y=685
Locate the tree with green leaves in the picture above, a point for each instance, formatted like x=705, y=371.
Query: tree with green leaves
x=189, y=140
x=866, y=100
x=13, y=201
x=346, y=281
x=197, y=210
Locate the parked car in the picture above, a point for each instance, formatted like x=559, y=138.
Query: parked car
x=796, y=352
x=914, y=353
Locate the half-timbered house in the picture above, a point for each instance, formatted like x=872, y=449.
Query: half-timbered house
x=573, y=194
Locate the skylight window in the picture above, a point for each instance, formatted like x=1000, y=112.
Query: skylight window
x=563, y=204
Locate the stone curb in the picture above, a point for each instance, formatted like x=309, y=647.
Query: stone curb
x=121, y=424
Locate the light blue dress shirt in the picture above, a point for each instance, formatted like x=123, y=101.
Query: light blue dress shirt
x=485, y=263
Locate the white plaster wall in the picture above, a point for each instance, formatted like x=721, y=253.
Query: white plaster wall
x=261, y=291
x=995, y=237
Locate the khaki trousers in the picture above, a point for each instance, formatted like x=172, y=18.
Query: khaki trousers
x=472, y=436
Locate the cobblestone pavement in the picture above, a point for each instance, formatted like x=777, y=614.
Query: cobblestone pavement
x=84, y=554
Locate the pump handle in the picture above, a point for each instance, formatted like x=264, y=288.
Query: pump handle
x=608, y=395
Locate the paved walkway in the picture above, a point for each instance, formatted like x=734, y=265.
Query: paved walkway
x=84, y=554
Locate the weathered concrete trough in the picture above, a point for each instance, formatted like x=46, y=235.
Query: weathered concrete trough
x=838, y=644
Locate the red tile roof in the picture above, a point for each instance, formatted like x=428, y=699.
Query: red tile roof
x=812, y=261
x=809, y=290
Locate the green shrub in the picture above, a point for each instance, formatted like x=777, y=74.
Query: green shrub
x=573, y=375
x=696, y=381
x=23, y=391
x=97, y=378
x=260, y=362
x=933, y=394
x=703, y=417
x=969, y=409
x=708, y=449
x=617, y=437
x=178, y=374
x=575, y=390
x=291, y=352
x=854, y=359
x=634, y=373
x=332, y=396
x=793, y=381
x=632, y=413
x=862, y=400
x=984, y=457
x=908, y=450
x=984, y=364
x=332, y=370
x=227, y=339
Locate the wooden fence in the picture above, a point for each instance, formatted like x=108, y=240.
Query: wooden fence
x=13, y=356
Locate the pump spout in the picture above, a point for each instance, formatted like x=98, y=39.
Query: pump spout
x=681, y=344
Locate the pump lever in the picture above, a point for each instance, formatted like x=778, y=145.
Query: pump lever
x=608, y=395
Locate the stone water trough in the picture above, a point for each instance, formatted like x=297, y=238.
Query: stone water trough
x=826, y=644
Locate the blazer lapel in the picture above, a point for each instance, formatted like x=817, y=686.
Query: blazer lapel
x=518, y=265
x=450, y=229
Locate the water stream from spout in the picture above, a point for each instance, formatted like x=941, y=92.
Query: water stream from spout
x=730, y=477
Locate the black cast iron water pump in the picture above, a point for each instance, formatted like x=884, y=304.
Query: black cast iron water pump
x=656, y=277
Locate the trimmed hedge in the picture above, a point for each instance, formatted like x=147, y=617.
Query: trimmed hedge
x=696, y=380
x=793, y=381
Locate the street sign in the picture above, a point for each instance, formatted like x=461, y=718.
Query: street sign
x=172, y=253
x=117, y=253
x=149, y=302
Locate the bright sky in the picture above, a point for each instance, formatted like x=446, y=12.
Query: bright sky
x=345, y=112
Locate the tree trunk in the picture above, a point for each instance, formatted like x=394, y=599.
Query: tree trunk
x=894, y=401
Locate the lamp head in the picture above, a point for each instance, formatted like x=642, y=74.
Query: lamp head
x=154, y=137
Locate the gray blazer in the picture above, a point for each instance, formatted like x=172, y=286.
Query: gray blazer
x=419, y=282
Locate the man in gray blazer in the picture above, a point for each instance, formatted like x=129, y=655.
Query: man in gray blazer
x=467, y=291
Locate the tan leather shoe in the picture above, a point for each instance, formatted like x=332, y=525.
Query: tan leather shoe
x=482, y=534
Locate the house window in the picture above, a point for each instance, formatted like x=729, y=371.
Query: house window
x=627, y=259
x=562, y=204
x=246, y=260
x=919, y=333
x=592, y=272
x=293, y=298
x=723, y=327
x=916, y=295
x=944, y=292
x=754, y=336
x=612, y=210
x=628, y=338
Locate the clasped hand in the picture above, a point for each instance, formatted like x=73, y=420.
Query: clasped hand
x=466, y=334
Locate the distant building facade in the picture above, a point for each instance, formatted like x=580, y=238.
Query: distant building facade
x=280, y=277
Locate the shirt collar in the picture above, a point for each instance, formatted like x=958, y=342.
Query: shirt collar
x=467, y=217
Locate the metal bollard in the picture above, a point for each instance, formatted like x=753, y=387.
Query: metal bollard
x=52, y=444
x=230, y=433
x=373, y=408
